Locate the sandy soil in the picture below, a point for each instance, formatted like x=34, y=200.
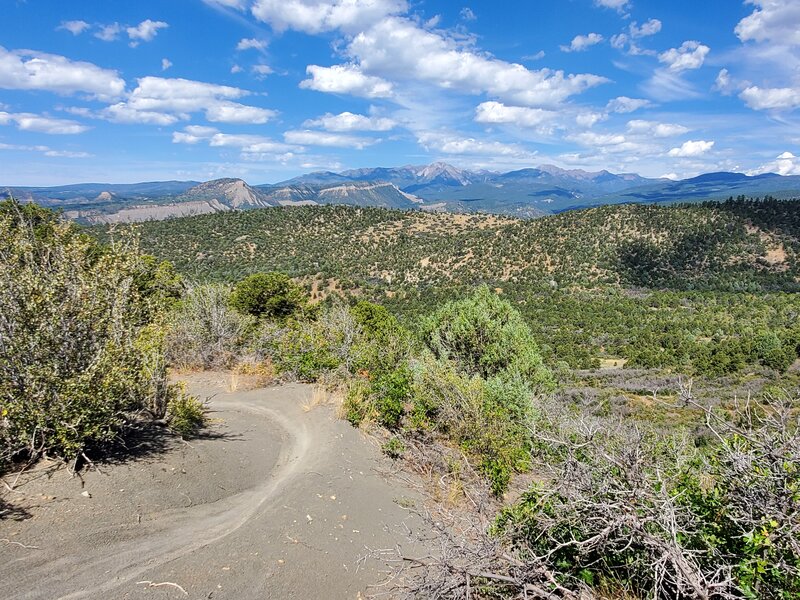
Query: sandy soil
x=277, y=502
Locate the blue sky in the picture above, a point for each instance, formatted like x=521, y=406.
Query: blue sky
x=103, y=90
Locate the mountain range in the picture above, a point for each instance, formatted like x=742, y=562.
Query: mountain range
x=525, y=193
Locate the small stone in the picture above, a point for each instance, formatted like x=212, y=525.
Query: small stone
x=86, y=494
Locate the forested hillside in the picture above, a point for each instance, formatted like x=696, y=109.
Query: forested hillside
x=737, y=245
x=701, y=288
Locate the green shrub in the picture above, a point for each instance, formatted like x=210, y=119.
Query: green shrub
x=485, y=335
x=303, y=351
x=186, y=414
x=269, y=295
x=394, y=448
x=81, y=337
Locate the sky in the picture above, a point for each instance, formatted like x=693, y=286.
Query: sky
x=112, y=91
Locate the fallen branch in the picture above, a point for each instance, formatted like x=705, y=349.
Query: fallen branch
x=7, y=541
x=151, y=584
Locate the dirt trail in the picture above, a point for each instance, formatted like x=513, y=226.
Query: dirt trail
x=282, y=503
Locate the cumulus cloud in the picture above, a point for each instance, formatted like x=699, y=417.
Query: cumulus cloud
x=122, y=112
x=772, y=21
x=145, y=31
x=771, y=98
x=348, y=121
x=165, y=64
x=42, y=124
x=690, y=55
x=583, y=42
x=691, y=148
x=315, y=16
x=499, y=113
x=346, y=79
x=74, y=27
x=323, y=138
x=247, y=143
x=232, y=112
x=650, y=27
x=262, y=70
x=623, y=104
x=397, y=49
x=164, y=101
x=29, y=70
x=453, y=144
x=251, y=44
x=785, y=164
x=656, y=129
x=108, y=33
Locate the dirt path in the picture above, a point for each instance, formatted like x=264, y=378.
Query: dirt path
x=281, y=503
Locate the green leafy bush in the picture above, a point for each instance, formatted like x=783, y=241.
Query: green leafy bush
x=269, y=295
x=81, y=339
x=485, y=335
x=186, y=414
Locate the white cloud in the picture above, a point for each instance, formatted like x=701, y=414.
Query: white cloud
x=108, y=33
x=237, y=4
x=590, y=138
x=322, y=138
x=251, y=44
x=691, y=148
x=619, y=5
x=232, y=112
x=454, y=144
x=785, y=164
x=42, y=124
x=771, y=98
x=145, y=31
x=67, y=154
x=74, y=27
x=656, y=129
x=247, y=143
x=666, y=85
x=538, y=56
x=29, y=70
x=772, y=21
x=47, y=151
x=690, y=55
x=590, y=119
x=348, y=121
x=346, y=79
x=164, y=101
x=193, y=134
x=651, y=27
x=165, y=64
x=397, y=48
x=724, y=83
x=623, y=104
x=236, y=69
x=467, y=14
x=496, y=112
x=315, y=16
x=122, y=112
x=583, y=42
x=262, y=70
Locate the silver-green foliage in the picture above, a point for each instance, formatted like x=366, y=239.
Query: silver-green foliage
x=81, y=354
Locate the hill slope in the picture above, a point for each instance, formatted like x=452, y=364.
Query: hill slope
x=734, y=245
